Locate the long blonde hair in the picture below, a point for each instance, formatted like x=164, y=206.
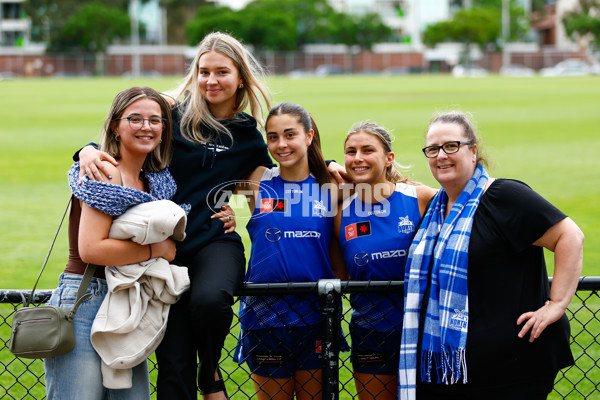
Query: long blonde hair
x=392, y=172
x=196, y=111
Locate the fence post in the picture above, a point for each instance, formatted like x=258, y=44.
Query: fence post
x=329, y=294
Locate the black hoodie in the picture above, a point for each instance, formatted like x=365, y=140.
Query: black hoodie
x=207, y=173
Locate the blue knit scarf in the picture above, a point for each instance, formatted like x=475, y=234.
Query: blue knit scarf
x=442, y=245
x=115, y=199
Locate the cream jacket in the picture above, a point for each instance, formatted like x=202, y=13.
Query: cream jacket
x=132, y=319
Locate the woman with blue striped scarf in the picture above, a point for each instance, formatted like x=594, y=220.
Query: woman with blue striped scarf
x=480, y=319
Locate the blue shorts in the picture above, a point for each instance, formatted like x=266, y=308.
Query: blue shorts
x=375, y=352
x=280, y=352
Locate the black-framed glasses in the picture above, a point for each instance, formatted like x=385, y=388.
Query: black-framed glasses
x=448, y=147
x=136, y=122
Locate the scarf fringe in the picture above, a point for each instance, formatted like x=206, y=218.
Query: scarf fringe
x=450, y=365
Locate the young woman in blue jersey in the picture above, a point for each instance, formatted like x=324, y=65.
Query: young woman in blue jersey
x=291, y=231
x=375, y=227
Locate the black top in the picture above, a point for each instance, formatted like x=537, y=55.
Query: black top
x=206, y=175
x=507, y=277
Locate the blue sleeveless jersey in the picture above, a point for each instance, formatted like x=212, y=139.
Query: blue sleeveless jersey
x=374, y=240
x=290, y=230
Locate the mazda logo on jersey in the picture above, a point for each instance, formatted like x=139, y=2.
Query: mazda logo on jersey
x=358, y=229
x=273, y=235
x=361, y=258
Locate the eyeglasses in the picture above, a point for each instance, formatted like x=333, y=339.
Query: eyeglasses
x=448, y=147
x=136, y=122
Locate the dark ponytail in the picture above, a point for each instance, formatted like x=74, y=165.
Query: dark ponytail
x=316, y=162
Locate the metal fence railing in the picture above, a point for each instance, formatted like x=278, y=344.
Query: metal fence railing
x=24, y=378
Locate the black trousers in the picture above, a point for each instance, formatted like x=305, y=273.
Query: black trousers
x=529, y=391
x=199, y=322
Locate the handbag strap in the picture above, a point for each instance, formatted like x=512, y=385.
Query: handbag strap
x=87, y=276
x=85, y=281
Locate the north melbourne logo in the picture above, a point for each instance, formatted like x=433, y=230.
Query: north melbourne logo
x=405, y=225
x=319, y=209
x=459, y=320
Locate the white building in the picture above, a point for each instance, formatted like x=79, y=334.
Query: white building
x=154, y=19
x=562, y=8
x=15, y=28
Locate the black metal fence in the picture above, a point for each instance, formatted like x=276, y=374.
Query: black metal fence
x=24, y=379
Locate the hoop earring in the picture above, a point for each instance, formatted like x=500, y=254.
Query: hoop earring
x=241, y=86
x=117, y=138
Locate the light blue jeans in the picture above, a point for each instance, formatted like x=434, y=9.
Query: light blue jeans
x=77, y=374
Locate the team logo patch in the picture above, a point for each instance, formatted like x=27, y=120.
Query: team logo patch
x=459, y=320
x=319, y=209
x=272, y=205
x=405, y=225
x=358, y=229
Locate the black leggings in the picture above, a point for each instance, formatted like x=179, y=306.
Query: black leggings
x=199, y=322
x=531, y=391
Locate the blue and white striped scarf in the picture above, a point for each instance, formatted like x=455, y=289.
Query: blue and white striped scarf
x=115, y=199
x=441, y=244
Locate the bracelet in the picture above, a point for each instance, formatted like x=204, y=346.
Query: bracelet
x=150, y=248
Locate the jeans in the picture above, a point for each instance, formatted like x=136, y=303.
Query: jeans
x=78, y=373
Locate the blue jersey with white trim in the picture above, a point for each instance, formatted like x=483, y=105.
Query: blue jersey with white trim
x=290, y=230
x=374, y=240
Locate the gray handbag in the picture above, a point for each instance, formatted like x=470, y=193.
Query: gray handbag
x=47, y=331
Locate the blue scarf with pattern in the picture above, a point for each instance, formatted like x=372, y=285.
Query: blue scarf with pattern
x=115, y=199
x=442, y=245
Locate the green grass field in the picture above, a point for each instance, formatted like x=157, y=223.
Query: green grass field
x=540, y=130
x=543, y=131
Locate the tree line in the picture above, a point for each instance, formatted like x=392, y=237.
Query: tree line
x=282, y=25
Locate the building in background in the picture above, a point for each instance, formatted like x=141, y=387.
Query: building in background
x=148, y=54
x=15, y=27
x=153, y=17
x=561, y=40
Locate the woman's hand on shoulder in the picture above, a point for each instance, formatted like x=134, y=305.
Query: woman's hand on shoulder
x=114, y=176
x=94, y=163
x=338, y=172
x=170, y=99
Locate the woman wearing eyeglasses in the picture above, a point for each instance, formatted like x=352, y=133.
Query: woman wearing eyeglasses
x=138, y=133
x=480, y=320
